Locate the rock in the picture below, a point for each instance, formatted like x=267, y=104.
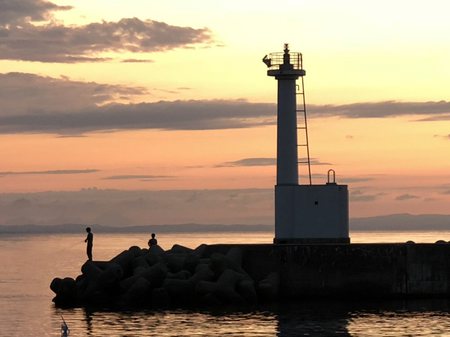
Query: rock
x=91, y=275
x=224, y=288
x=178, y=249
x=98, y=285
x=100, y=297
x=190, y=263
x=200, y=250
x=246, y=288
x=160, y=298
x=156, y=250
x=110, y=277
x=181, y=275
x=126, y=283
x=139, y=292
x=218, y=263
x=202, y=273
x=234, y=255
x=210, y=300
x=102, y=264
x=137, y=251
x=82, y=284
x=55, y=285
x=125, y=260
x=180, y=291
x=268, y=287
x=155, y=274
x=138, y=271
x=139, y=264
x=153, y=257
x=205, y=287
x=204, y=260
x=175, y=262
x=90, y=270
x=65, y=290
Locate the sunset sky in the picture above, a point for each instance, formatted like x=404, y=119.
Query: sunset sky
x=104, y=104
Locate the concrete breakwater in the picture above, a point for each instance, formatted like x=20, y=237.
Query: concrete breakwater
x=352, y=270
x=254, y=273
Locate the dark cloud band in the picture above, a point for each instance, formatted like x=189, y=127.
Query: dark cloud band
x=382, y=109
x=263, y=162
x=50, y=172
x=139, y=177
x=21, y=11
x=36, y=104
x=73, y=44
x=178, y=115
x=21, y=93
x=406, y=196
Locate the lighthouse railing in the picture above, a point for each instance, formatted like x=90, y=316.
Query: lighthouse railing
x=277, y=59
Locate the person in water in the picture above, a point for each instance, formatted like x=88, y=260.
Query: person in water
x=90, y=243
x=152, y=241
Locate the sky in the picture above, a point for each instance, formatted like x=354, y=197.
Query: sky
x=152, y=112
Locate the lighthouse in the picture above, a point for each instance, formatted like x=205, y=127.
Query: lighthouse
x=304, y=213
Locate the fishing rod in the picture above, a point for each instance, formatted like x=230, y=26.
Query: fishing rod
x=64, y=328
x=63, y=249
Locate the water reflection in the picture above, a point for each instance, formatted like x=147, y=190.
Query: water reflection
x=312, y=319
x=368, y=318
x=88, y=320
x=402, y=318
x=393, y=318
x=177, y=323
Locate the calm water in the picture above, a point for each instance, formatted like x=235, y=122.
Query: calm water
x=29, y=263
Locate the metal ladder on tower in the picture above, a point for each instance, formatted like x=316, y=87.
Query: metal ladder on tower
x=302, y=129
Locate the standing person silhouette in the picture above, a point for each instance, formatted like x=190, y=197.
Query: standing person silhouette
x=90, y=243
x=152, y=241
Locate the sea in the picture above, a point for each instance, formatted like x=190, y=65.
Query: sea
x=29, y=263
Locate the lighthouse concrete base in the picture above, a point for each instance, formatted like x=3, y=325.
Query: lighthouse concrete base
x=311, y=214
x=301, y=241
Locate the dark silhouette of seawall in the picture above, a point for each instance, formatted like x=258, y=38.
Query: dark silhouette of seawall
x=249, y=274
x=351, y=270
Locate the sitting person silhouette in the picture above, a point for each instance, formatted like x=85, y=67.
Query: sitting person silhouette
x=152, y=241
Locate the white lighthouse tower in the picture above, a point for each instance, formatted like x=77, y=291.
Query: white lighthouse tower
x=304, y=213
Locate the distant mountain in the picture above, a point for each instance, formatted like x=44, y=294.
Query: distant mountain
x=393, y=222
x=181, y=228
x=402, y=222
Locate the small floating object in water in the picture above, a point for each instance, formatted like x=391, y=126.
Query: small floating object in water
x=64, y=328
